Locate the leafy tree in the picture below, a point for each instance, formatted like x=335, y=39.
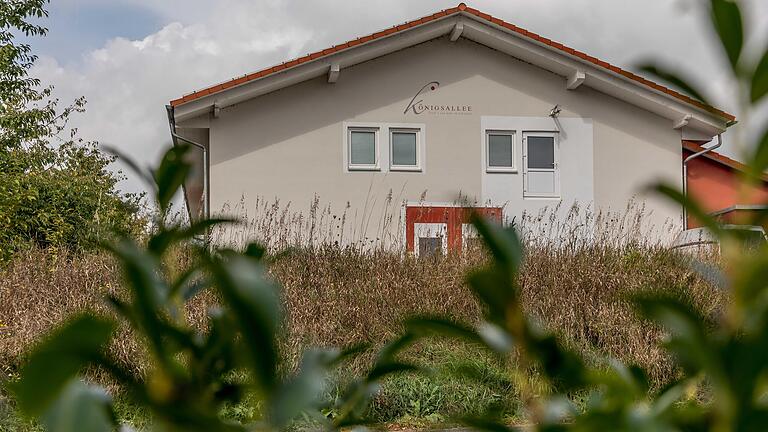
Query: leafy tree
x=721, y=386
x=55, y=188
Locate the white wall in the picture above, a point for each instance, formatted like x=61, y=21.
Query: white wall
x=289, y=143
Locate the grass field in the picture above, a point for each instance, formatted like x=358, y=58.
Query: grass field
x=341, y=296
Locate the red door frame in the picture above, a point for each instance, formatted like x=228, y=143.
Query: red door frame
x=453, y=216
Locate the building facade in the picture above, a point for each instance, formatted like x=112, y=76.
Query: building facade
x=455, y=110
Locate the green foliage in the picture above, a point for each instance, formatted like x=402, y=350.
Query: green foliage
x=195, y=375
x=722, y=366
x=55, y=189
x=759, y=87
x=726, y=20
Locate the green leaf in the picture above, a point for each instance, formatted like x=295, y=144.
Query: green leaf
x=254, y=301
x=382, y=369
x=496, y=289
x=150, y=292
x=59, y=358
x=390, y=350
x=759, y=161
x=160, y=242
x=304, y=391
x=726, y=19
x=760, y=79
x=219, y=349
x=488, y=335
x=496, y=338
x=675, y=80
x=564, y=368
x=441, y=326
x=188, y=284
x=504, y=243
x=171, y=173
x=255, y=250
x=143, y=174
x=80, y=408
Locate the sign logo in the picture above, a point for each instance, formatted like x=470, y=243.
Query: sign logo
x=419, y=107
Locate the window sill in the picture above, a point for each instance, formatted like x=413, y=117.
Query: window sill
x=501, y=170
x=363, y=168
x=543, y=197
x=405, y=168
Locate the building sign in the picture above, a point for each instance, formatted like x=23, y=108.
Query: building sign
x=418, y=106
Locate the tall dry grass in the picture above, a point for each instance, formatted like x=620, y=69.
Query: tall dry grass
x=580, y=271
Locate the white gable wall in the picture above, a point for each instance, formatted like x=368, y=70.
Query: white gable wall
x=289, y=144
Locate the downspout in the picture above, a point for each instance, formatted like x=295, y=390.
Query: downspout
x=685, y=173
x=175, y=138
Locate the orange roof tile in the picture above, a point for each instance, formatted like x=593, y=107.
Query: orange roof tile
x=461, y=8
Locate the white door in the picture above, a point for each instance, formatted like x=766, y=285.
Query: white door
x=541, y=177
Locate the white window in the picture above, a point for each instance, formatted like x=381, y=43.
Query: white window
x=542, y=175
x=500, y=151
x=405, y=149
x=430, y=239
x=363, y=148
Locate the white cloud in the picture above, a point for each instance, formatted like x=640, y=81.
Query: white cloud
x=128, y=82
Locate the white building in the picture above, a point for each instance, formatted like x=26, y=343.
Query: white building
x=453, y=103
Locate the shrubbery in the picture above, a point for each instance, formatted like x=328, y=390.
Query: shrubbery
x=194, y=374
x=55, y=189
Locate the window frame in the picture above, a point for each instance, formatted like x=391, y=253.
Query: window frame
x=376, y=166
x=440, y=228
x=555, y=169
x=500, y=169
x=419, y=132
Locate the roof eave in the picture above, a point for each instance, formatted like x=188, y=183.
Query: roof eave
x=481, y=28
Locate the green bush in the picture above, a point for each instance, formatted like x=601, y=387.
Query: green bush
x=63, y=197
x=55, y=189
x=195, y=376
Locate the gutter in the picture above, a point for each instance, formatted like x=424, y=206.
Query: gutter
x=175, y=138
x=685, y=173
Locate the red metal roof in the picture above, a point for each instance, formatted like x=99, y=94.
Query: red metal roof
x=444, y=13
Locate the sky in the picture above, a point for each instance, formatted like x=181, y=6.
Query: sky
x=130, y=57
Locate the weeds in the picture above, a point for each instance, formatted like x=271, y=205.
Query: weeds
x=339, y=296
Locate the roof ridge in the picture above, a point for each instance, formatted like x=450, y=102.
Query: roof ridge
x=460, y=8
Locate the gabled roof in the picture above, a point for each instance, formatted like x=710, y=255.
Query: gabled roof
x=477, y=16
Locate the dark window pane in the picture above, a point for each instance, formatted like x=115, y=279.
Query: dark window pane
x=362, y=148
x=404, y=148
x=541, y=152
x=500, y=150
x=430, y=246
